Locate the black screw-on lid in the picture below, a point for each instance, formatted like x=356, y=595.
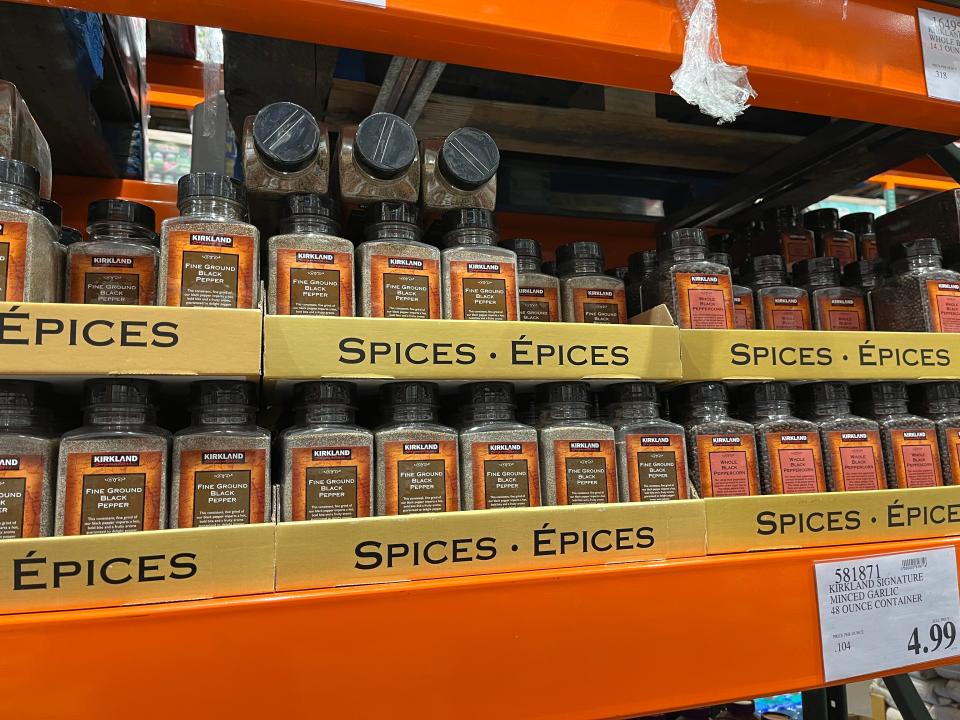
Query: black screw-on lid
x=781, y=216
x=25, y=394
x=549, y=267
x=310, y=204
x=696, y=393
x=410, y=393
x=469, y=158
x=120, y=391
x=483, y=393
x=862, y=272
x=324, y=392
x=385, y=145
x=642, y=261
x=887, y=392
x=766, y=263
x=464, y=218
x=563, y=392
x=720, y=258
x=14, y=172
x=916, y=248
x=828, y=392
x=208, y=184
x=858, y=223
x=125, y=211
x=822, y=219
x=223, y=392
x=817, y=266
x=937, y=391
x=620, y=273
x=523, y=247
x=69, y=235
x=583, y=250
x=769, y=392
x=682, y=237
x=286, y=136
x=399, y=211
x=630, y=392
x=51, y=211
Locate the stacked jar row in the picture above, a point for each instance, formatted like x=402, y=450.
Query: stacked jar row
x=111, y=474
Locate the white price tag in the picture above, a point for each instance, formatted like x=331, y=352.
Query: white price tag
x=940, y=40
x=888, y=611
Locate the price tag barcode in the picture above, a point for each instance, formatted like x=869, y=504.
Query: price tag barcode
x=887, y=611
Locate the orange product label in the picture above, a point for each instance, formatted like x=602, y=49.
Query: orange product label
x=916, y=458
x=952, y=440
x=842, y=313
x=113, y=492
x=600, y=305
x=796, y=462
x=842, y=247
x=744, y=317
x=857, y=460
x=222, y=487
x=586, y=471
x=728, y=465
x=404, y=287
x=112, y=279
x=422, y=477
x=868, y=248
x=539, y=304
x=786, y=313
x=505, y=475
x=331, y=482
x=210, y=270
x=704, y=301
x=944, y=305
x=21, y=493
x=484, y=290
x=656, y=467
x=314, y=282
x=796, y=247
x=13, y=252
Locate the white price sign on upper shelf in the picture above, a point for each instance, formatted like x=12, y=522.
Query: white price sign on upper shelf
x=887, y=611
x=940, y=40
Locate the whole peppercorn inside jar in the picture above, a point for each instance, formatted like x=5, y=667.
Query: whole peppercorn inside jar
x=782, y=306
x=861, y=225
x=835, y=307
x=744, y=308
x=919, y=295
x=940, y=402
x=792, y=241
x=832, y=240
x=698, y=293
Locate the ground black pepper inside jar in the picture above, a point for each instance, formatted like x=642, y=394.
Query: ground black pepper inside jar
x=539, y=292
x=586, y=294
x=642, y=267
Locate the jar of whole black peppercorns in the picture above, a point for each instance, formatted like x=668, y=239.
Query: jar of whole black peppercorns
x=919, y=295
x=940, y=402
x=780, y=305
x=834, y=307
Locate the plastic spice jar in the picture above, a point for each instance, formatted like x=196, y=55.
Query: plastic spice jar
x=832, y=240
x=744, y=308
x=835, y=307
x=539, y=292
x=781, y=306
x=793, y=242
x=698, y=293
x=919, y=295
x=587, y=295
x=28, y=252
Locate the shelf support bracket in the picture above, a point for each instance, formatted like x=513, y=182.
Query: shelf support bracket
x=906, y=697
x=407, y=86
x=829, y=703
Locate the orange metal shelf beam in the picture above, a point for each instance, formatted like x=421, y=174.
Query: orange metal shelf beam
x=577, y=644
x=857, y=59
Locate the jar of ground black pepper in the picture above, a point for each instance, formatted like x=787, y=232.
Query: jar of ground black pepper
x=285, y=150
x=852, y=455
x=785, y=236
x=578, y=460
x=112, y=471
x=117, y=264
x=398, y=276
x=940, y=402
x=586, y=294
x=832, y=240
x=479, y=277
x=28, y=253
x=459, y=170
x=722, y=451
x=911, y=451
x=698, y=293
x=28, y=460
x=221, y=462
x=861, y=225
x=54, y=213
x=781, y=306
x=651, y=451
x=835, y=307
x=417, y=459
x=866, y=275
x=539, y=293
x=791, y=459
x=744, y=309
x=209, y=255
x=642, y=268
x=918, y=295
x=327, y=457
x=499, y=457
x=311, y=267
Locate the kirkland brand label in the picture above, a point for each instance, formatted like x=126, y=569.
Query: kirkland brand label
x=115, y=460
x=315, y=257
x=330, y=483
x=112, y=261
x=224, y=457
x=222, y=241
x=405, y=263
